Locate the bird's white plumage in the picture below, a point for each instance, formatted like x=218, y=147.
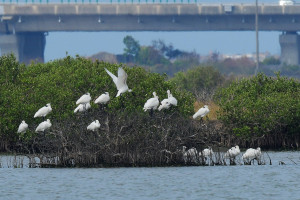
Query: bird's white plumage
x=42, y=112
x=208, y=152
x=251, y=154
x=82, y=107
x=172, y=99
x=201, y=112
x=43, y=126
x=22, y=127
x=190, y=155
x=84, y=99
x=164, y=104
x=151, y=103
x=103, y=98
x=94, y=125
x=233, y=152
x=167, y=103
x=120, y=81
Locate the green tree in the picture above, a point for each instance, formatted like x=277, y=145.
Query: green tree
x=150, y=56
x=132, y=47
x=260, y=105
x=62, y=82
x=201, y=81
x=271, y=61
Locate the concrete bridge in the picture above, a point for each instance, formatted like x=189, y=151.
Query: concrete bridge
x=23, y=26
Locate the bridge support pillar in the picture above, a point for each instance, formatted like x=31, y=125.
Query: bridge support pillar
x=26, y=46
x=290, y=48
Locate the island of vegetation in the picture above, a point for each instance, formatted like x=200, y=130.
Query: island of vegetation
x=251, y=111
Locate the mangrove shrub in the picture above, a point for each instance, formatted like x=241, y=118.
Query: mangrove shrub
x=261, y=105
x=61, y=82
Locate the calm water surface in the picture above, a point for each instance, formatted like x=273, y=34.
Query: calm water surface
x=210, y=182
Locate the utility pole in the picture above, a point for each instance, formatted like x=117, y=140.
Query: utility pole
x=256, y=31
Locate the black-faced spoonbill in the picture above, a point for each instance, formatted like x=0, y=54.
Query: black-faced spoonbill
x=82, y=107
x=120, y=81
x=201, y=112
x=252, y=154
x=172, y=99
x=42, y=112
x=190, y=155
x=23, y=127
x=94, y=125
x=43, y=126
x=84, y=99
x=103, y=98
x=151, y=104
x=167, y=103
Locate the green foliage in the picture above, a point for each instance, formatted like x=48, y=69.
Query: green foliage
x=271, y=61
x=199, y=80
x=132, y=46
x=150, y=56
x=242, y=65
x=261, y=105
x=62, y=82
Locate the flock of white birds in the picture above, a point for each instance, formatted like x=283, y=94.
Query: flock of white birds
x=152, y=104
x=193, y=156
x=84, y=104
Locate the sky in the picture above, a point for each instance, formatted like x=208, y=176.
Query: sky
x=89, y=43
x=202, y=42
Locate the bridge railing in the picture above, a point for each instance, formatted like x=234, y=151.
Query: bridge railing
x=95, y=1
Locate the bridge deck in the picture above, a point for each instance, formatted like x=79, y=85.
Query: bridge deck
x=146, y=17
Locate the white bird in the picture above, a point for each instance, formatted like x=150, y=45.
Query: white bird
x=84, y=99
x=22, y=127
x=172, y=99
x=167, y=103
x=252, y=154
x=82, y=107
x=43, y=126
x=103, y=98
x=190, y=155
x=151, y=103
x=42, y=112
x=208, y=152
x=201, y=112
x=164, y=104
x=120, y=81
x=94, y=125
x=233, y=152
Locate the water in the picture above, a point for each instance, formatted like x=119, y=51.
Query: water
x=210, y=182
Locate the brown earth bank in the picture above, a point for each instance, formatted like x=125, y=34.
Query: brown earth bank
x=134, y=139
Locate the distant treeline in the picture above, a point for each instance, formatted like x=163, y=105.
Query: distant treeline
x=165, y=58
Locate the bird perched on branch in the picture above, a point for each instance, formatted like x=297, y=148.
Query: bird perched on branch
x=120, y=81
x=84, y=99
x=23, y=127
x=82, y=107
x=172, y=99
x=42, y=112
x=151, y=103
x=167, y=103
x=43, y=126
x=94, y=125
x=201, y=112
x=103, y=98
